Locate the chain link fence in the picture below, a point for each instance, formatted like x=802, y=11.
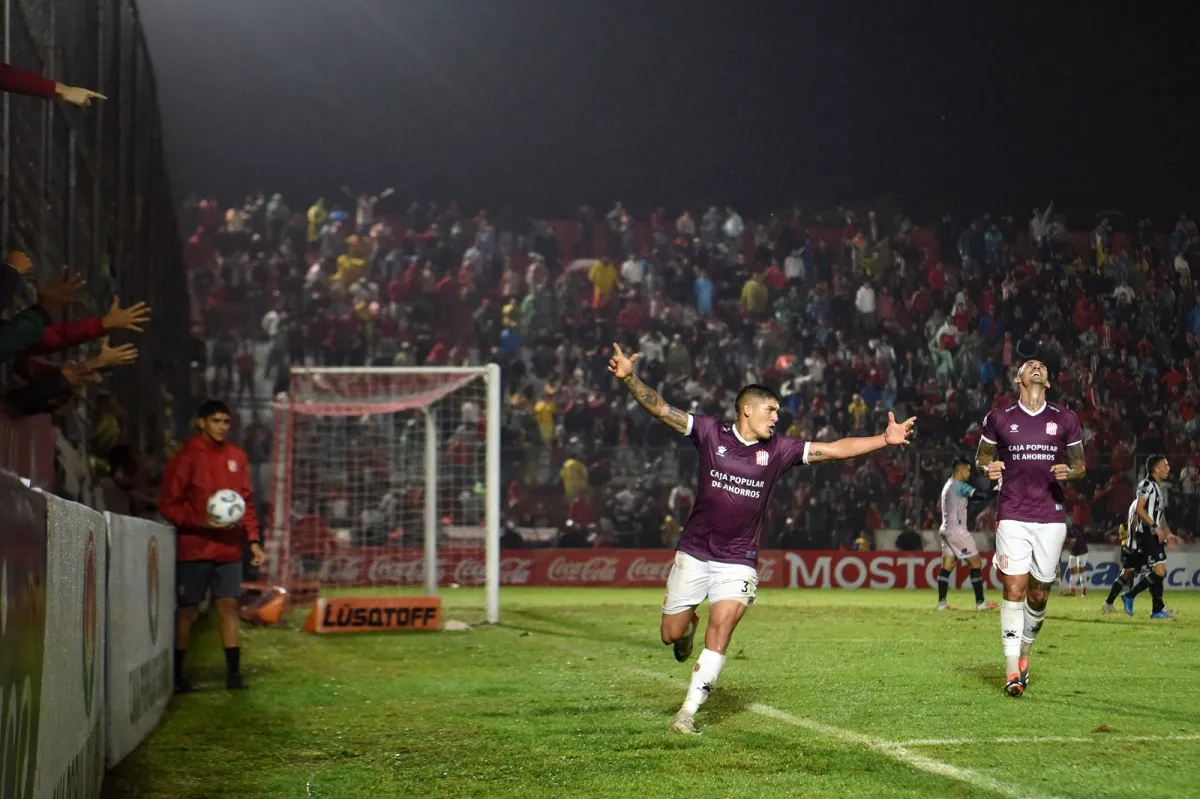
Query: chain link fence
x=88, y=188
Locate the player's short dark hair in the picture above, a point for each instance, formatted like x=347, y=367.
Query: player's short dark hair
x=1153, y=461
x=959, y=462
x=754, y=391
x=210, y=407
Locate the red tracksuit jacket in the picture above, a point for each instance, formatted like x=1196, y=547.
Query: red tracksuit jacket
x=198, y=470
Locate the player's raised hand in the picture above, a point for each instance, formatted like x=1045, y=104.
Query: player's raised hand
x=1061, y=471
x=620, y=365
x=898, y=433
x=994, y=470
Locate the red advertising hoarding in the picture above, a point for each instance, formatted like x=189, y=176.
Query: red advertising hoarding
x=645, y=568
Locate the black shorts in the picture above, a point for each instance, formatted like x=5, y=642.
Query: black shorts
x=1146, y=551
x=195, y=577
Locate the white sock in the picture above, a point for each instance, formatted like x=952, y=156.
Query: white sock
x=1011, y=623
x=1033, y=623
x=704, y=677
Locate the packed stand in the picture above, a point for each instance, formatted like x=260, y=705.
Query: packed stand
x=846, y=320
x=54, y=362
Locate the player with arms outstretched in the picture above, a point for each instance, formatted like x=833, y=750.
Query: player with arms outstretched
x=717, y=554
x=957, y=543
x=1024, y=447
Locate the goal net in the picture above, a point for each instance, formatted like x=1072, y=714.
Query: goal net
x=388, y=477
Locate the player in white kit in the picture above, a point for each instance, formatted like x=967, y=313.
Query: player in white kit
x=717, y=555
x=957, y=543
x=1030, y=448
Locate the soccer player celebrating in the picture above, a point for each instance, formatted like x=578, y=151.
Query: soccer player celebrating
x=1145, y=546
x=957, y=543
x=1023, y=448
x=717, y=554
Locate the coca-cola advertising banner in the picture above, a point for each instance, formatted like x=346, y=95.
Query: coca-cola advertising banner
x=648, y=568
x=621, y=568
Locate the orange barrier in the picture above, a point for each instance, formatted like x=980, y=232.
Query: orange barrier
x=268, y=609
x=369, y=614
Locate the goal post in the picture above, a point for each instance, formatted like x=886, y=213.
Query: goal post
x=380, y=473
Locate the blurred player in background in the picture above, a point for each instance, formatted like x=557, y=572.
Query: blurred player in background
x=717, y=553
x=1143, y=552
x=1128, y=576
x=1077, y=549
x=1023, y=447
x=957, y=543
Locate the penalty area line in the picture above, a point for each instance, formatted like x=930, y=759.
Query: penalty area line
x=896, y=750
x=1099, y=737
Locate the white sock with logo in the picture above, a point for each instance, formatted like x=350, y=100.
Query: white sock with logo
x=1012, y=625
x=1031, y=624
x=704, y=677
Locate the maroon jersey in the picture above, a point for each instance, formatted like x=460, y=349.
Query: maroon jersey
x=737, y=480
x=1029, y=444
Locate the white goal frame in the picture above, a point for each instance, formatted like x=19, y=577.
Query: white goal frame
x=490, y=373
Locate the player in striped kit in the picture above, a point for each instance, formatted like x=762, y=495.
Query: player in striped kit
x=1145, y=547
x=957, y=543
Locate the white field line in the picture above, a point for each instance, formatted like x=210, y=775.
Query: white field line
x=1099, y=737
x=893, y=749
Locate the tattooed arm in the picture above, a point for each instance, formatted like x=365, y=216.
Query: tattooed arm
x=1074, y=468
x=985, y=459
x=656, y=406
x=1075, y=460
x=896, y=435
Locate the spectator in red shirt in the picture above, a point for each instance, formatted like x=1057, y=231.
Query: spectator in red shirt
x=19, y=81
x=209, y=555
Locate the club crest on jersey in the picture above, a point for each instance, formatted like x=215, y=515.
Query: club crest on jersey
x=232, y=465
x=721, y=451
x=760, y=457
x=1051, y=429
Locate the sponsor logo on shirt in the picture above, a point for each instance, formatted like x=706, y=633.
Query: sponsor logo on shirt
x=721, y=451
x=1012, y=428
x=232, y=465
x=760, y=457
x=1051, y=429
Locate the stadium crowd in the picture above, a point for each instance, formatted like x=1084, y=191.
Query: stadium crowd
x=54, y=362
x=845, y=318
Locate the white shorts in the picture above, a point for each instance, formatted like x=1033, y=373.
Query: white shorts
x=692, y=579
x=1030, y=548
x=958, y=544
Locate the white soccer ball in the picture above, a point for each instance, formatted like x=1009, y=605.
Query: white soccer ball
x=226, y=507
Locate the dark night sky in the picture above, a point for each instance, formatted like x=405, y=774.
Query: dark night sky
x=543, y=104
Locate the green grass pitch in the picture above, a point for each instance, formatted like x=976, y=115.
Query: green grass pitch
x=825, y=694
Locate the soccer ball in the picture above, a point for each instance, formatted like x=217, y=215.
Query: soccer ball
x=226, y=507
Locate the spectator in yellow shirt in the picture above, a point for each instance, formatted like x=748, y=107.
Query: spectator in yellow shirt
x=574, y=477
x=670, y=531
x=349, y=269
x=755, y=296
x=858, y=411
x=317, y=217
x=604, y=279
x=544, y=410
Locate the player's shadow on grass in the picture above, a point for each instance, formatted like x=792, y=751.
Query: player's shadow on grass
x=546, y=624
x=724, y=703
x=984, y=672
